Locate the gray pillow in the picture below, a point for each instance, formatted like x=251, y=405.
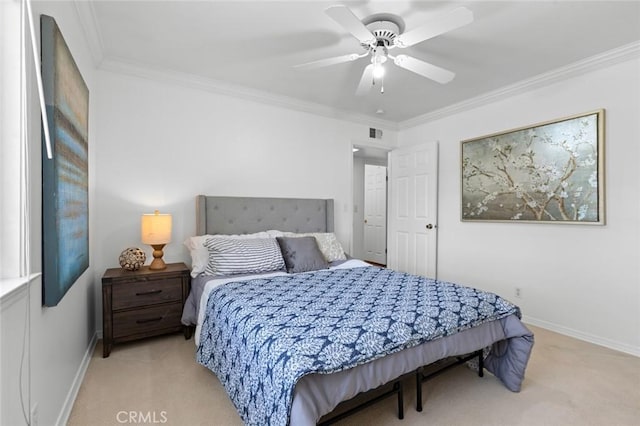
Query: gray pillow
x=301, y=254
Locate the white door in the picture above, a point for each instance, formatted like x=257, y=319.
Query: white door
x=375, y=214
x=413, y=186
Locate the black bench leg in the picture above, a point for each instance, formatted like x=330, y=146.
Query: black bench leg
x=418, y=390
x=480, y=364
x=398, y=386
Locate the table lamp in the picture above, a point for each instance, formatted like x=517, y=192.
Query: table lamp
x=156, y=231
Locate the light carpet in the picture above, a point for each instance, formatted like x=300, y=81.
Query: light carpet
x=568, y=382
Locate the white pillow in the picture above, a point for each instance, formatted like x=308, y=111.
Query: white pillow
x=273, y=233
x=230, y=256
x=200, y=254
x=327, y=242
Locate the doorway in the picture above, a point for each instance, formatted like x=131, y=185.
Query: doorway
x=411, y=206
x=375, y=214
x=370, y=204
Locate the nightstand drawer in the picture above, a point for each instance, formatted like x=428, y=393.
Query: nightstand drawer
x=147, y=320
x=144, y=293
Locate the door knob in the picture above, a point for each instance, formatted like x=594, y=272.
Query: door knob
x=429, y=226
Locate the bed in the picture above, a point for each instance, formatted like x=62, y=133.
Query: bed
x=373, y=328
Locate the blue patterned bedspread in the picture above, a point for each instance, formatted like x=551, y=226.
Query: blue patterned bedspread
x=260, y=336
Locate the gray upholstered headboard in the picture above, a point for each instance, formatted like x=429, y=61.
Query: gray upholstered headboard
x=246, y=215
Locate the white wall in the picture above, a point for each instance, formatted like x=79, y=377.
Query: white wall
x=577, y=279
x=161, y=144
x=357, y=249
x=58, y=338
x=13, y=322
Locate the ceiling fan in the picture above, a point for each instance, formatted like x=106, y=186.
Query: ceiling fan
x=382, y=32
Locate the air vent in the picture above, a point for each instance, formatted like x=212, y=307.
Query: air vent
x=375, y=133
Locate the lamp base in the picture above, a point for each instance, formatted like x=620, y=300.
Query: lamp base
x=157, y=262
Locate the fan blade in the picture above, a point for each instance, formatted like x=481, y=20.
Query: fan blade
x=350, y=22
x=439, y=25
x=328, y=61
x=365, y=81
x=424, y=69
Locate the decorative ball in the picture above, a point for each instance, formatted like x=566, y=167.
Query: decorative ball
x=132, y=258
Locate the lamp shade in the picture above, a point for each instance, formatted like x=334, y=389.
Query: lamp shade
x=155, y=228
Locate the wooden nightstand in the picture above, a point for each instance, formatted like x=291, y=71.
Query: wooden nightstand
x=143, y=303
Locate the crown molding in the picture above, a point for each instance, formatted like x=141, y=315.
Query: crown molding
x=609, y=58
x=237, y=91
x=89, y=23
x=593, y=63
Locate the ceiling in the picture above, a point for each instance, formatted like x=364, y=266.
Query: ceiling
x=253, y=46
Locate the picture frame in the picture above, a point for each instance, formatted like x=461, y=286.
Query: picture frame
x=550, y=172
x=65, y=187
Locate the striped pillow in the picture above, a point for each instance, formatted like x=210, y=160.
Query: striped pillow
x=243, y=256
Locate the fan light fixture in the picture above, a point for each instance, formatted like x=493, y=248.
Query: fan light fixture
x=381, y=32
x=378, y=71
x=378, y=58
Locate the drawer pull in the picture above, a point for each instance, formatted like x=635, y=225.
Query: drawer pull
x=148, y=320
x=147, y=293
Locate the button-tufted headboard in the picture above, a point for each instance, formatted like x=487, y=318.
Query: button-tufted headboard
x=245, y=215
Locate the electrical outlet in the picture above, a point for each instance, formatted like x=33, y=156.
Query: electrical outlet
x=34, y=415
x=518, y=292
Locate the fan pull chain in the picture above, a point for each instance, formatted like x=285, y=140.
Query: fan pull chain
x=373, y=83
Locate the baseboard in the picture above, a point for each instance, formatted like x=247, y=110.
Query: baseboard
x=63, y=418
x=597, y=340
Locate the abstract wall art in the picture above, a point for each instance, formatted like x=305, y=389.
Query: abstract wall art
x=65, y=195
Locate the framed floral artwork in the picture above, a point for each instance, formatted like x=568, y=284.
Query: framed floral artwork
x=551, y=172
